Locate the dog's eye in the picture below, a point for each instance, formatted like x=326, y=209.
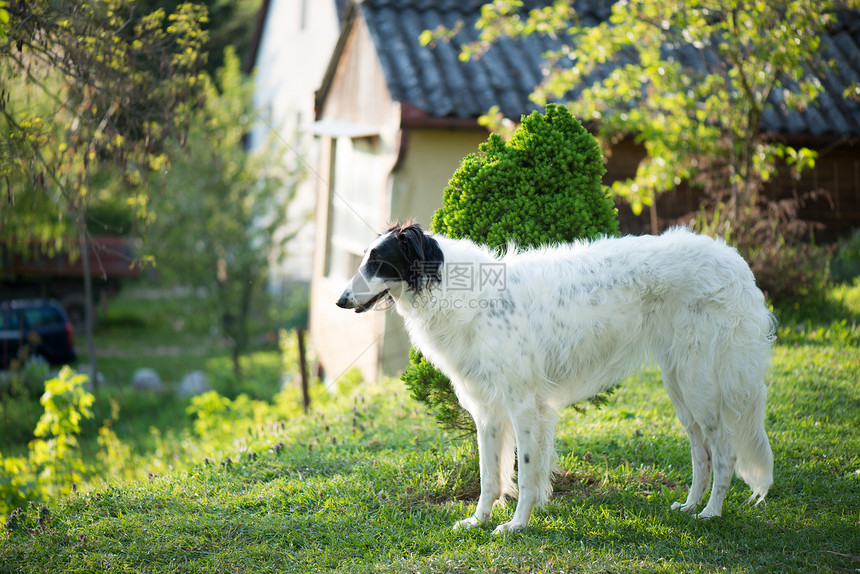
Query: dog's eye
x=372, y=256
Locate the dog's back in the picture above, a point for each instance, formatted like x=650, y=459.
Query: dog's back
x=646, y=295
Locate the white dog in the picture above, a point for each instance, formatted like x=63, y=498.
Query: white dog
x=523, y=335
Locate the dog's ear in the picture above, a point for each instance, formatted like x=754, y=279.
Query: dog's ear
x=433, y=255
x=411, y=240
x=423, y=253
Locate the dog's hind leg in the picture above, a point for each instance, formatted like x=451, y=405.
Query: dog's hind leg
x=700, y=451
x=496, y=454
x=701, y=455
x=534, y=426
x=724, y=467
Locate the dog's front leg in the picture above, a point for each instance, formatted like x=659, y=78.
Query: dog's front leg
x=495, y=451
x=534, y=425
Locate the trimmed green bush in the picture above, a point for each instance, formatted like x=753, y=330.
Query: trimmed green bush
x=542, y=186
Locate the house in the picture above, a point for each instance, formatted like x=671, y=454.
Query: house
x=393, y=120
x=289, y=53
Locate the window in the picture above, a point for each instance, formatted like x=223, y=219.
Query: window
x=41, y=316
x=355, y=190
x=11, y=320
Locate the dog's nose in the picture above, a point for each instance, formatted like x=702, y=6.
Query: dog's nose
x=344, y=301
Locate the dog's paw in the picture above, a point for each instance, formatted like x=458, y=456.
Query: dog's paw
x=508, y=527
x=467, y=524
x=683, y=507
x=707, y=513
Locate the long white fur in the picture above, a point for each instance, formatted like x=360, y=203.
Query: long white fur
x=570, y=321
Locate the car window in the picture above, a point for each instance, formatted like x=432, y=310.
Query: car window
x=10, y=321
x=41, y=316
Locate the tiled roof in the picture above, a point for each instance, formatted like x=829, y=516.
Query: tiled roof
x=434, y=80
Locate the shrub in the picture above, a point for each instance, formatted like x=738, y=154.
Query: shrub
x=846, y=263
x=54, y=464
x=55, y=452
x=542, y=186
x=431, y=387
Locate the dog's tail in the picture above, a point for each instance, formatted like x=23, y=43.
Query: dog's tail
x=754, y=462
x=745, y=419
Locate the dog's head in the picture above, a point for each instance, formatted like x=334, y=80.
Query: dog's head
x=402, y=258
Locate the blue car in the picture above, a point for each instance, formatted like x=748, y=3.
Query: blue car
x=35, y=327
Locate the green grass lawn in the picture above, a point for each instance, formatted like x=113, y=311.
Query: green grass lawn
x=368, y=483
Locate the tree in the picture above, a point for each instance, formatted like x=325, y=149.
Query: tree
x=84, y=85
x=542, y=186
x=216, y=223
x=229, y=24
x=689, y=80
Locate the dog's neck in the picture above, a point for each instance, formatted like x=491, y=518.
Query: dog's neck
x=460, y=292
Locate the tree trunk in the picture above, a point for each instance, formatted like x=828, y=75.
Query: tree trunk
x=303, y=369
x=240, y=340
x=89, y=309
x=236, y=356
